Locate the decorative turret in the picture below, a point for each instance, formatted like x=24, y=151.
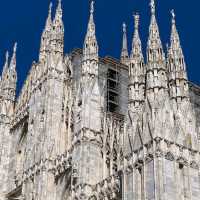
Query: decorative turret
x=90, y=48
x=57, y=39
x=178, y=81
x=136, y=69
x=156, y=66
x=124, y=53
x=46, y=36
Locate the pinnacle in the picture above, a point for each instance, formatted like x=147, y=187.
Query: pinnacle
x=13, y=60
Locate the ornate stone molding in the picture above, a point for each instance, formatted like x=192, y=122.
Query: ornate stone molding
x=56, y=166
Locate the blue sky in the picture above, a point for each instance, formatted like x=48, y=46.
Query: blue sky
x=23, y=21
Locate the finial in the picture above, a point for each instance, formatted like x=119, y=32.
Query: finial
x=173, y=13
x=92, y=7
x=124, y=27
x=137, y=19
x=152, y=4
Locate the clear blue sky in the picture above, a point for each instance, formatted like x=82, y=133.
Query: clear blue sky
x=23, y=21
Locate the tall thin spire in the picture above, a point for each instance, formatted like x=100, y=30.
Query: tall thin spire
x=46, y=35
x=59, y=12
x=49, y=19
x=13, y=73
x=175, y=40
x=58, y=22
x=136, y=69
x=90, y=48
x=13, y=59
x=91, y=25
x=154, y=41
x=176, y=65
x=175, y=48
x=5, y=68
x=136, y=44
x=124, y=53
x=155, y=56
x=57, y=36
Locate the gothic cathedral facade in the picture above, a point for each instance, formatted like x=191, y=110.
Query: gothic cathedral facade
x=91, y=128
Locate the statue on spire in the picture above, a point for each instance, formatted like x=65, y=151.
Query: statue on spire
x=152, y=4
x=92, y=7
x=173, y=16
x=124, y=27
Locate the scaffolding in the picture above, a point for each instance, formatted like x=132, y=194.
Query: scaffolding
x=112, y=90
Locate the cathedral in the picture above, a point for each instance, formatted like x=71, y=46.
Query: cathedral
x=85, y=127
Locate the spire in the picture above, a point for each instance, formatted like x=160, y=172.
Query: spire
x=176, y=64
x=175, y=40
x=5, y=68
x=124, y=53
x=156, y=66
x=175, y=51
x=90, y=49
x=58, y=16
x=13, y=59
x=136, y=68
x=57, y=36
x=58, y=22
x=91, y=24
x=49, y=20
x=154, y=42
x=136, y=52
x=46, y=35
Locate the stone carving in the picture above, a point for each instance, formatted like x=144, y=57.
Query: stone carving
x=75, y=131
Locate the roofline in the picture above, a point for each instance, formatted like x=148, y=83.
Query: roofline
x=107, y=59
